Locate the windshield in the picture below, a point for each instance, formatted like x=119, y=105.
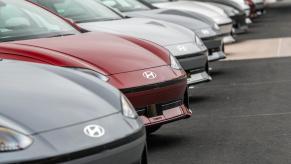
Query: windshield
x=125, y=5
x=80, y=11
x=20, y=20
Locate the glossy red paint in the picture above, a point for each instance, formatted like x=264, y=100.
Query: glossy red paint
x=122, y=59
x=252, y=8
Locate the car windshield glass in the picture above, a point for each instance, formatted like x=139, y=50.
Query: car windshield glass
x=125, y=5
x=21, y=20
x=80, y=11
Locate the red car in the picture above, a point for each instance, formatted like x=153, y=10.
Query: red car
x=253, y=12
x=147, y=74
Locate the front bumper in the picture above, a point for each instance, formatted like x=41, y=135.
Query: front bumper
x=226, y=32
x=196, y=65
x=259, y=6
x=240, y=25
x=161, y=103
x=226, y=28
x=215, y=48
x=70, y=145
x=194, y=62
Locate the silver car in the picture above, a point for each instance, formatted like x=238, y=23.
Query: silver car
x=208, y=31
x=58, y=115
x=213, y=12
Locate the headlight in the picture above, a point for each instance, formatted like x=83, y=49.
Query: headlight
x=235, y=11
x=175, y=63
x=127, y=108
x=216, y=27
x=205, y=32
x=11, y=140
x=199, y=42
x=93, y=73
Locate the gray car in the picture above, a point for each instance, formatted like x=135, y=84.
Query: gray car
x=56, y=115
x=209, y=33
x=234, y=11
x=213, y=12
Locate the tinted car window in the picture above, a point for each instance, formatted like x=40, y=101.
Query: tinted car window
x=80, y=11
x=20, y=20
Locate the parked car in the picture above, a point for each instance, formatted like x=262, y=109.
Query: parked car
x=146, y=73
x=260, y=5
x=238, y=17
x=209, y=33
x=218, y=15
x=185, y=45
x=54, y=115
x=253, y=12
x=244, y=6
x=239, y=5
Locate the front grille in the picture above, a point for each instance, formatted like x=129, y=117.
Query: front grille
x=157, y=109
x=153, y=86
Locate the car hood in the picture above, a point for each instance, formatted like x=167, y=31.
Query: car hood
x=173, y=16
x=212, y=7
x=226, y=2
x=159, y=32
x=242, y=4
x=193, y=7
x=230, y=11
x=37, y=98
x=109, y=53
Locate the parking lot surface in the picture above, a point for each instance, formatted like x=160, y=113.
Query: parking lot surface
x=269, y=35
x=243, y=116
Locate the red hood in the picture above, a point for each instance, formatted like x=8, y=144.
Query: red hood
x=109, y=53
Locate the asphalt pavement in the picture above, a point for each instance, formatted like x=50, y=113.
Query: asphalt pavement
x=269, y=35
x=242, y=117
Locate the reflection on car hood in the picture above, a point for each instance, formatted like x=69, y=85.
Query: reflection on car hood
x=110, y=53
x=173, y=16
x=159, y=32
x=193, y=7
x=42, y=98
x=212, y=7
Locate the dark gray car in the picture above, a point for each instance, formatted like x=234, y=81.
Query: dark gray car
x=207, y=30
x=54, y=115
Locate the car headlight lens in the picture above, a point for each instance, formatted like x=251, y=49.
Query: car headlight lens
x=235, y=11
x=127, y=108
x=93, y=73
x=205, y=32
x=175, y=63
x=216, y=27
x=199, y=42
x=11, y=140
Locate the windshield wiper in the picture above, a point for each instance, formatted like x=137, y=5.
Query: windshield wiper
x=97, y=20
x=61, y=35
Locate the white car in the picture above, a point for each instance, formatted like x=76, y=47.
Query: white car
x=213, y=12
x=244, y=6
x=260, y=5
